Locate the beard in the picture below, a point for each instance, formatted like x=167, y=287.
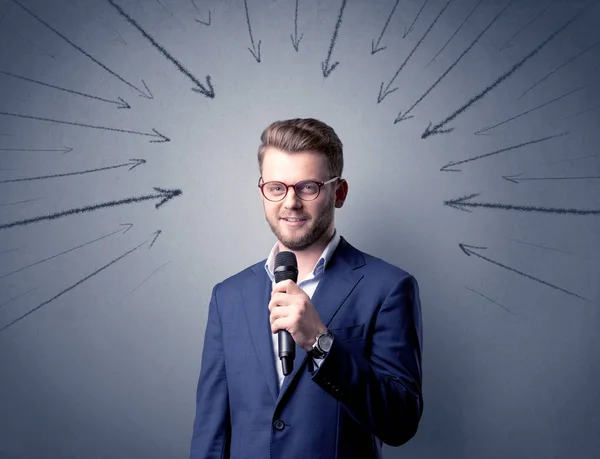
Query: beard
x=304, y=237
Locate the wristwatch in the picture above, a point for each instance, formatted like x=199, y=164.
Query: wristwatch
x=322, y=345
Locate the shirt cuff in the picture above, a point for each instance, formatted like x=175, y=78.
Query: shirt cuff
x=317, y=362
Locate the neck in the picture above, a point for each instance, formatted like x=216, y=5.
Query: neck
x=307, y=258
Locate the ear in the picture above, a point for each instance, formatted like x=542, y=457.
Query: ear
x=341, y=192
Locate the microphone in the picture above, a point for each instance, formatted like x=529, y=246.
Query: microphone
x=286, y=267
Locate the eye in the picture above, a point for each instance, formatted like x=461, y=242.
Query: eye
x=309, y=187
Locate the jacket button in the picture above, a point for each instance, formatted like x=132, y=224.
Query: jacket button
x=278, y=424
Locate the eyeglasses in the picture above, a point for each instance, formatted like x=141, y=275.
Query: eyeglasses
x=307, y=190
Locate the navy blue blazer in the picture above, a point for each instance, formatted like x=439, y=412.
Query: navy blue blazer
x=366, y=391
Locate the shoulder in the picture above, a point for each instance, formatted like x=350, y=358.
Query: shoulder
x=240, y=278
x=371, y=264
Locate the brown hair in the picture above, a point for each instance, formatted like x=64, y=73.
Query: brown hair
x=306, y=134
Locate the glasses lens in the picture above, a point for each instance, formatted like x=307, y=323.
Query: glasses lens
x=307, y=190
x=274, y=190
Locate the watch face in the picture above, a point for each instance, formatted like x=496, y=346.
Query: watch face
x=325, y=342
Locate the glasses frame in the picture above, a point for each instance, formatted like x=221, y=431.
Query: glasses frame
x=287, y=188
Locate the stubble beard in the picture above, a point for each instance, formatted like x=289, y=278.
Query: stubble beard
x=304, y=237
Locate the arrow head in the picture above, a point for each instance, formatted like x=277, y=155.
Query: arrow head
x=167, y=195
x=143, y=94
x=205, y=23
x=465, y=248
x=436, y=130
x=406, y=32
x=122, y=103
x=508, y=177
x=137, y=162
x=129, y=225
x=202, y=90
x=296, y=43
x=374, y=48
x=460, y=203
x=253, y=52
x=210, y=93
x=67, y=150
x=401, y=117
x=163, y=138
x=382, y=95
x=157, y=233
x=445, y=168
x=326, y=71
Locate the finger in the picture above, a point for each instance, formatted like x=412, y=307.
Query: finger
x=284, y=286
x=280, y=299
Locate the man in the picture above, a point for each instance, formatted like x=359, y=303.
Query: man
x=355, y=321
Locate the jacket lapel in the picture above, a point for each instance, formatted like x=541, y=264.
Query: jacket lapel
x=338, y=281
x=255, y=294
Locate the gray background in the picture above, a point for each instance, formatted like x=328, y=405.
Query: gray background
x=108, y=368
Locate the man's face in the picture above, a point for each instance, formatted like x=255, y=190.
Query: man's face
x=316, y=217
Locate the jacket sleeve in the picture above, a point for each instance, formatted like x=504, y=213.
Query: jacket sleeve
x=381, y=389
x=212, y=431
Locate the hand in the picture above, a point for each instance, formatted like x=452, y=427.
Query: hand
x=292, y=310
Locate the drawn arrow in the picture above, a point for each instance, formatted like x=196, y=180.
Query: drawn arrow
x=454, y=34
x=489, y=299
x=553, y=71
x=155, y=234
x=156, y=133
x=210, y=93
x=295, y=39
x=19, y=202
x=134, y=164
x=129, y=225
x=119, y=103
x=437, y=129
x=165, y=195
x=64, y=150
x=446, y=168
x=383, y=93
x=375, y=47
x=462, y=202
x=514, y=180
x=512, y=118
x=141, y=93
x=506, y=43
x=205, y=23
x=197, y=20
x=15, y=298
x=581, y=112
x=468, y=251
x=407, y=31
x=253, y=51
x=325, y=64
x=404, y=116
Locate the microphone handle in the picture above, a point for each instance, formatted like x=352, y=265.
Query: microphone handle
x=287, y=351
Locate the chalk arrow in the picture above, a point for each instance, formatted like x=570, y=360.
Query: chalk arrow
x=325, y=65
x=134, y=164
x=461, y=203
x=155, y=234
x=141, y=93
x=199, y=88
x=295, y=39
x=511, y=178
x=470, y=250
x=163, y=194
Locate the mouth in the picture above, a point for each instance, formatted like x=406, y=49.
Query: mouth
x=294, y=221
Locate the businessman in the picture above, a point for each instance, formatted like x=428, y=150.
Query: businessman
x=354, y=318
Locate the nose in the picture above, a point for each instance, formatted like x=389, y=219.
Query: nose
x=291, y=200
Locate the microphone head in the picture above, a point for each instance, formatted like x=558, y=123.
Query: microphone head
x=286, y=266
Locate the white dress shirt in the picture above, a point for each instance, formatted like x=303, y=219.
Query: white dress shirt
x=309, y=285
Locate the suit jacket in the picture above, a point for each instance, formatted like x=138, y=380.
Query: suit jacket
x=366, y=391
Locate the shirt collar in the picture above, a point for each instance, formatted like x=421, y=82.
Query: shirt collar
x=319, y=266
